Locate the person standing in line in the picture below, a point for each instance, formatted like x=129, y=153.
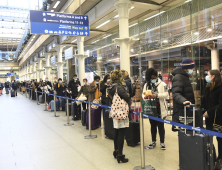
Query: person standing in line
x=84, y=91
x=15, y=87
x=7, y=86
x=119, y=125
x=60, y=88
x=73, y=86
x=94, y=89
x=182, y=89
x=212, y=104
x=160, y=94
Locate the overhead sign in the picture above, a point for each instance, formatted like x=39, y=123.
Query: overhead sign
x=11, y=74
x=3, y=76
x=68, y=53
x=53, y=60
x=42, y=22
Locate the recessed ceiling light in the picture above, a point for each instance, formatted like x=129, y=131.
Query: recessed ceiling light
x=209, y=29
x=196, y=33
x=57, y=3
x=116, y=16
x=74, y=40
x=133, y=25
x=94, y=41
x=132, y=7
x=107, y=36
x=103, y=24
x=52, y=10
x=154, y=15
x=165, y=41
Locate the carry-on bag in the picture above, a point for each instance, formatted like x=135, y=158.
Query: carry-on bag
x=135, y=109
x=12, y=93
x=108, y=121
x=57, y=105
x=196, y=151
x=132, y=135
x=41, y=99
x=95, y=118
x=83, y=117
x=75, y=111
x=33, y=95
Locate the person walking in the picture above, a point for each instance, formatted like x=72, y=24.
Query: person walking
x=15, y=87
x=182, y=89
x=211, y=104
x=160, y=94
x=119, y=125
x=7, y=86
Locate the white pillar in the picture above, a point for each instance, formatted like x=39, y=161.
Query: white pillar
x=99, y=63
x=47, y=67
x=26, y=74
x=150, y=64
x=30, y=70
x=34, y=69
x=81, y=58
x=215, y=60
x=106, y=69
x=39, y=68
x=59, y=61
x=123, y=7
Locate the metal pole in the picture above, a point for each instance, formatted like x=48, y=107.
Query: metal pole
x=37, y=98
x=31, y=94
x=45, y=102
x=55, y=106
x=26, y=92
x=67, y=112
x=102, y=118
x=90, y=136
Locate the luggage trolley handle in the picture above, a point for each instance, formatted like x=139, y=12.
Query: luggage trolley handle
x=185, y=115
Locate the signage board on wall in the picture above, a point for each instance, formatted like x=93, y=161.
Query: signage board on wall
x=89, y=76
x=53, y=60
x=54, y=23
x=69, y=53
x=11, y=74
x=3, y=75
x=165, y=78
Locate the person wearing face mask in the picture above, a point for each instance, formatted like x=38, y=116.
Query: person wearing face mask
x=182, y=89
x=94, y=89
x=212, y=104
x=84, y=91
x=103, y=89
x=60, y=89
x=160, y=94
x=73, y=86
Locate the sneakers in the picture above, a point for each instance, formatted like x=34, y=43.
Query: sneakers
x=162, y=146
x=152, y=145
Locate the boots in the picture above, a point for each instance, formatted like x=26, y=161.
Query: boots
x=122, y=159
x=115, y=153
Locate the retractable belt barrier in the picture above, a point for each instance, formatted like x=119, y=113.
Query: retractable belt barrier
x=209, y=132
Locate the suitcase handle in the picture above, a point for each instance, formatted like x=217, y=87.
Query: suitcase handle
x=185, y=116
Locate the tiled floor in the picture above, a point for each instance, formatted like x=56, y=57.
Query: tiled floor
x=31, y=139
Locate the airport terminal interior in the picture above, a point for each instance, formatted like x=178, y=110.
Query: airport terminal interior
x=45, y=40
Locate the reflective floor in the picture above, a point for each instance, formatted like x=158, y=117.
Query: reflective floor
x=31, y=139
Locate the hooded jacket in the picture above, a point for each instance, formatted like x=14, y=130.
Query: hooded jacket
x=181, y=88
x=73, y=86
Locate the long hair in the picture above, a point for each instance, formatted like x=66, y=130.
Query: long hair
x=105, y=78
x=216, y=81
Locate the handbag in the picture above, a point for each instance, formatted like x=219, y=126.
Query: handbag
x=97, y=101
x=82, y=98
x=149, y=107
x=119, y=108
x=216, y=126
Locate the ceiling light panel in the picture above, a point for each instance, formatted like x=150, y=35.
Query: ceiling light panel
x=103, y=24
x=56, y=4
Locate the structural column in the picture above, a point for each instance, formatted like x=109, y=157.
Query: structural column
x=81, y=58
x=39, y=68
x=150, y=64
x=123, y=7
x=99, y=63
x=34, y=70
x=26, y=74
x=47, y=67
x=59, y=61
x=30, y=70
x=215, y=60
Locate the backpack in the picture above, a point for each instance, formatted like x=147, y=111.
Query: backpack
x=119, y=108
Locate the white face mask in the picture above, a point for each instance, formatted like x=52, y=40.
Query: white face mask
x=84, y=83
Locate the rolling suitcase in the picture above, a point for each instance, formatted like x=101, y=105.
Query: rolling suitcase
x=132, y=135
x=41, y=99
x=109, y=130
x=196, y=151
x=95, y=118
x=57, y=105
x=83, y=117
x=135, y=109
x=33, y=95
x=7, y=90
x=12, y=93
x=75, y=111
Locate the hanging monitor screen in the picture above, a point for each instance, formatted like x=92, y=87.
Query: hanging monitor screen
x=43, y=22
x=68, y=53
x=53, y=60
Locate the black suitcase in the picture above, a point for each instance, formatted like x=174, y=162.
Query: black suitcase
x=196, y=151
x=133, y=133
x=33, y=95
x=70, y=109
x=75, y=111
x=83, y=117
x=12, y=93
x=109, y=130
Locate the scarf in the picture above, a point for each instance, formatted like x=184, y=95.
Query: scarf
x=97, y=93
x=60, y=84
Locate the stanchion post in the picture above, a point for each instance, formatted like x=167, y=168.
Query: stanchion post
x=37, y=98
x=31, y=94
x=90, y=136
x=55, y=107
x=26, y=92
x=45, y=102
x=67, y=112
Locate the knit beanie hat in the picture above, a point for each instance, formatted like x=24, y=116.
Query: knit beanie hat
x=187, y=64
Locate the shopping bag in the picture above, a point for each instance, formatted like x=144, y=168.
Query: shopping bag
x=81, y=98
x=149, y=107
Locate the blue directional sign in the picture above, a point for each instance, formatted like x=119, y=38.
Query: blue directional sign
x=68, y=53
x=53, y=60
x=42, y=22
x=11, y=74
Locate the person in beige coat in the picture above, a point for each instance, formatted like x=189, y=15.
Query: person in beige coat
x=94, y=89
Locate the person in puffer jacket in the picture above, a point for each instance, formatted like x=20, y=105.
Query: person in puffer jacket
x=182, y=89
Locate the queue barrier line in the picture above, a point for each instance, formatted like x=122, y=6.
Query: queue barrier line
x=201, y=130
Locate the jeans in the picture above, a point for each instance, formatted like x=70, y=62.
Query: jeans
x=119, y=140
